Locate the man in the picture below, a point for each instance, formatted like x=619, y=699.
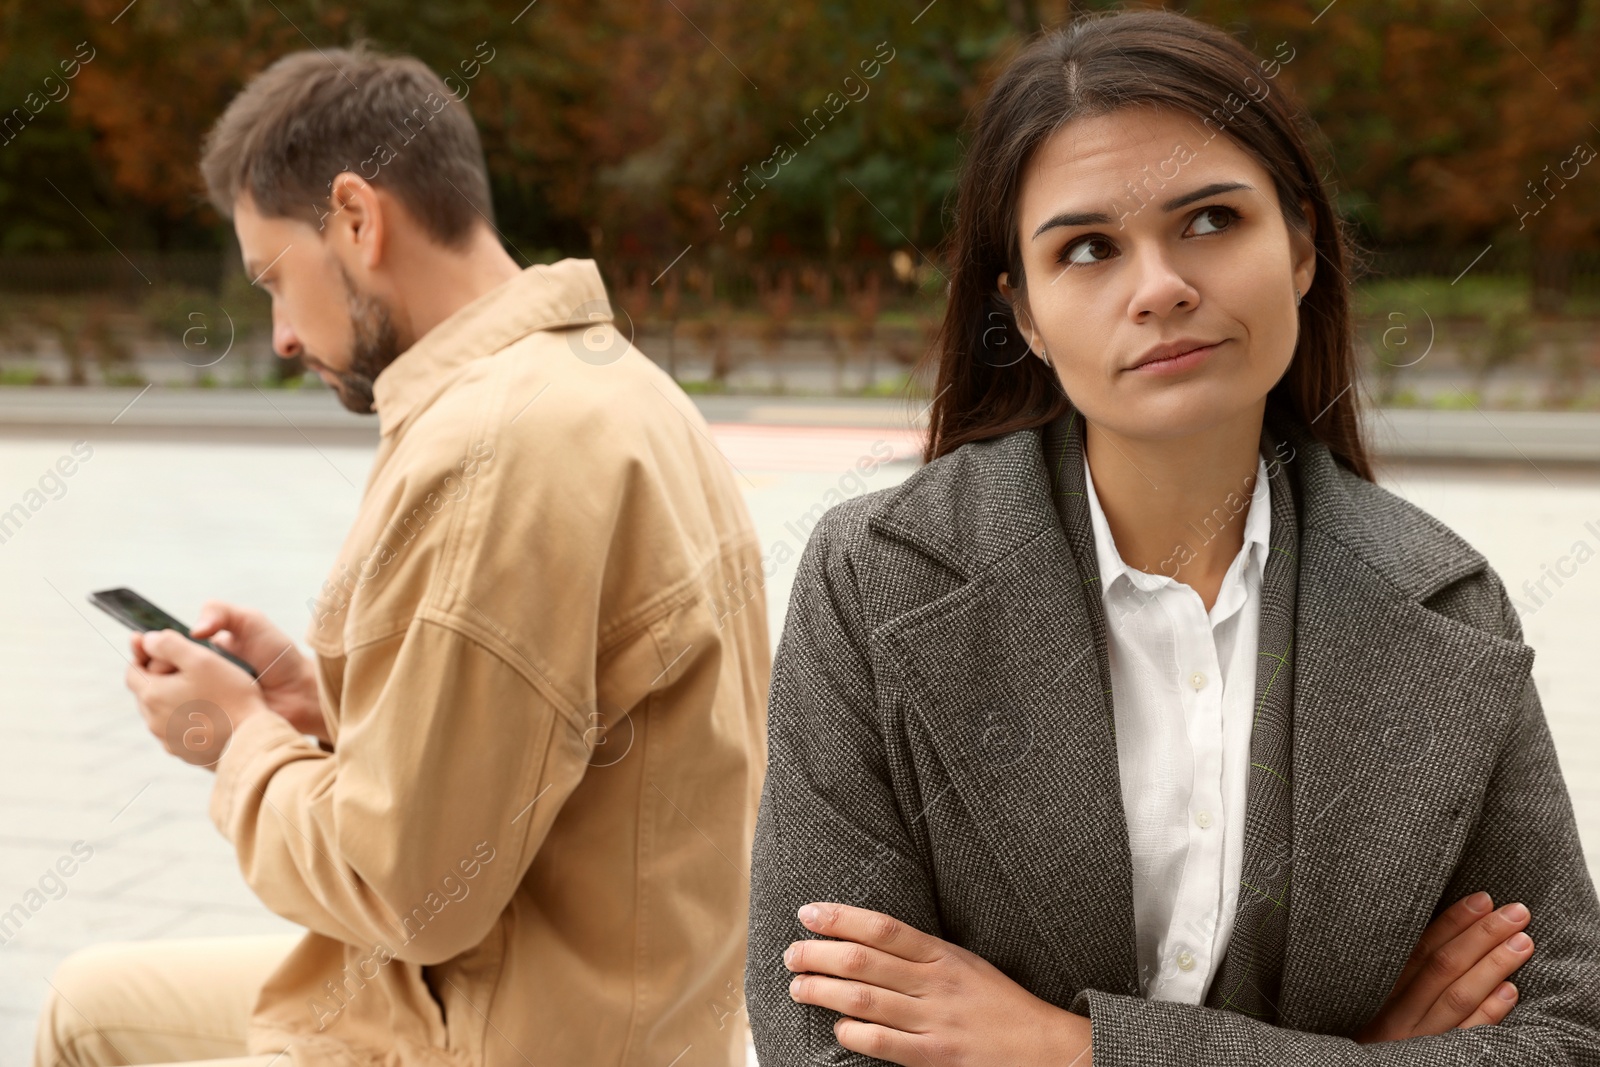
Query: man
x=522, y=832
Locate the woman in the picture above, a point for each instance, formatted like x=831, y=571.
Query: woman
x=1140, y=726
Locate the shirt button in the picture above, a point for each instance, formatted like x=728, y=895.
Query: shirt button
x=1186, y=961
x=1203, y=820
x=1197, y=680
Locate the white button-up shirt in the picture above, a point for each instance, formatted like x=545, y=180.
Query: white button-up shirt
x=1183, y=689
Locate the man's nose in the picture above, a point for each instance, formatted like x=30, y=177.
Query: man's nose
x=284, y=341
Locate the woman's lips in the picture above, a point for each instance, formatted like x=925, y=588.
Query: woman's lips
x=1177, y=364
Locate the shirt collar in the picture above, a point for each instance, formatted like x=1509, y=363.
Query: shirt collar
x=541, y=297
x=1257, y=528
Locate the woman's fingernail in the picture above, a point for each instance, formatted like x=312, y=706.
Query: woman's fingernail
x=1479, y=903
x=788, y=956
x=808, y=914
x=1508, y=992
x=1519, y=942
x=794, y=985
x=1515, y=912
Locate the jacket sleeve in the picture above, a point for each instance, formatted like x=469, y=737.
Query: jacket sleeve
x=1523, y=846
x=348, y=844
x=829, y=827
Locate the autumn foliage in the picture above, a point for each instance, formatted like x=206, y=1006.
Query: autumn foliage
x=633, y=125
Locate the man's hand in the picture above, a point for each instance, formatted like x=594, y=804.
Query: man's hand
x=193, y=699
x=1455, y=978
x=916, y=1000
x=286, y=679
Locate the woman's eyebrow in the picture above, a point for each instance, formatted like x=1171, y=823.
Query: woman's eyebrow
x=1091, y=218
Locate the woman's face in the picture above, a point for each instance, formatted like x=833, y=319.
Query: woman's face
x=1135, y=232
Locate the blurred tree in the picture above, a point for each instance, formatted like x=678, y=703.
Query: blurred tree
x=1450, y=125
x=620, y=126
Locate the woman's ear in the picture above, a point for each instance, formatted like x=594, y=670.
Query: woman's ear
x=1303, y=249
x=1019, y=311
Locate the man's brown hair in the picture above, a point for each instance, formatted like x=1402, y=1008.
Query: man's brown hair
x=312, y=115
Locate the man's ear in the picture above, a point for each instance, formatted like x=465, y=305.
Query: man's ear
x=358, y=222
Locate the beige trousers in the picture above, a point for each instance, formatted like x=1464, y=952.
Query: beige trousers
x=158, y=1002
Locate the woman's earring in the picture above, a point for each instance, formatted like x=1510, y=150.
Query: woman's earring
x=1297, y=298
x=1043, y=352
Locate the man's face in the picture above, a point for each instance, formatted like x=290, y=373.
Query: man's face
x=347, y=337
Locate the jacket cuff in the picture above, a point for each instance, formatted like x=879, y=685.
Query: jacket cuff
x=253, y=753
x=1131, y=1031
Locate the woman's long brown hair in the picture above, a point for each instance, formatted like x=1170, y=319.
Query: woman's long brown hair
x=984, y=383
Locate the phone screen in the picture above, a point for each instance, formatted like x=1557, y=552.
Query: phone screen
x=137, y=613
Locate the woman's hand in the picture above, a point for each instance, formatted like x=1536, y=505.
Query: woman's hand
x=1455, y=978
x=913, y=999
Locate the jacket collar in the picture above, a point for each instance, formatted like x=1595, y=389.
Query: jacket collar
x=1398, y=711
x=1005, y=490
x=542, y=297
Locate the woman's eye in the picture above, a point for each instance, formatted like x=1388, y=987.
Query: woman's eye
x=1218, y=218
x=1087, y=250
x=1097, y=249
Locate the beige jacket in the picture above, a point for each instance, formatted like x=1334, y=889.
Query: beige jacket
x=544, y=660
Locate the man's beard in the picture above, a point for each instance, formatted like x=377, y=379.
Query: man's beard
x=374, y=346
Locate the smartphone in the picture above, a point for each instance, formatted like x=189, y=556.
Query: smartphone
x=137, y=613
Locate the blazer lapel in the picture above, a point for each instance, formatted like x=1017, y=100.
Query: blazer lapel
x=1004, y=679
x=1397, y=711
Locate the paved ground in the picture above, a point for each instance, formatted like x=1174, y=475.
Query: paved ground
x=257, y=522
